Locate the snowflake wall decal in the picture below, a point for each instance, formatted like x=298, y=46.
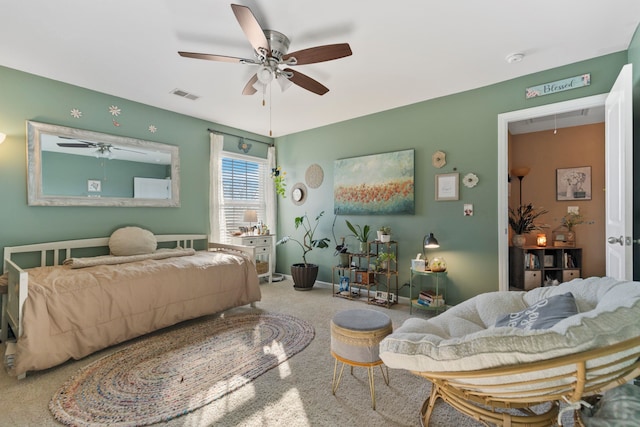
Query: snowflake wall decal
x=114, y=110
x=76, y=113
x=152, y=129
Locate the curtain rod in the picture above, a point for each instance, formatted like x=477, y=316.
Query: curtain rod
x=239, y=136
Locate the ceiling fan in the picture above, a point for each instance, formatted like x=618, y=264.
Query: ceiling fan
x=270, y=51
x=101, y=147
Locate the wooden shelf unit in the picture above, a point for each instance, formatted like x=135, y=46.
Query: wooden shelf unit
x=367, y=284
x=532, y=266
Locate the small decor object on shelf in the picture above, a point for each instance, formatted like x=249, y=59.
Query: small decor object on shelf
x=541, y=240
x=438, y=265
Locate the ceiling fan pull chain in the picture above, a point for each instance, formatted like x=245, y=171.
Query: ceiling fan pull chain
x=270, y=104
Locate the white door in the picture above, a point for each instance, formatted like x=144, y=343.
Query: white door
x=619, y=178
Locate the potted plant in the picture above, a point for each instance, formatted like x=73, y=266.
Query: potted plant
x=570, y=220
x=361, y=234
x=304, y=274
x=383, y=260
x=522, y=221
x=385, y=234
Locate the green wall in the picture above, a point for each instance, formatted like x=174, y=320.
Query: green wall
x=28, y=97
x=463, y=125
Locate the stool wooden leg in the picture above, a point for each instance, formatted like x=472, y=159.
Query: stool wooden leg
x=372, y=387
x=334, y=383
x=385, y=376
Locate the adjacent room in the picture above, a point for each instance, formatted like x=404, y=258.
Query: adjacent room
x=210, y=210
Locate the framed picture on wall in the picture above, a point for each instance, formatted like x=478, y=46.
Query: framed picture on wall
x=573, y=183
x=94, y=185
x=447, y=186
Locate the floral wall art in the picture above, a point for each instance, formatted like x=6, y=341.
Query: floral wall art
x=377, y=184
x=573, y=183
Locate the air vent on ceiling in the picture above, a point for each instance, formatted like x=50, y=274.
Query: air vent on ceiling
x=185, y=94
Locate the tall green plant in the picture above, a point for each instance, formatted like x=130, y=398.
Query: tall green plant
x=308, y=241
x=360, y=233
x=522, y=220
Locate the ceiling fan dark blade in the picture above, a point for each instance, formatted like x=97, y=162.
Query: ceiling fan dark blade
x=319, y=54
x=73, y=144
x=306, y=82
x=220, y=58
x=248, y=88
x=251, y=28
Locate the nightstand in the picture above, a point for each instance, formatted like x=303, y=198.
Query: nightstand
x=264, y=249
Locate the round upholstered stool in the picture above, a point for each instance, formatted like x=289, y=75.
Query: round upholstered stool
x=355, y=335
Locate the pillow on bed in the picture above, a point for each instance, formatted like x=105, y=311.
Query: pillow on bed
x=543, y=314
x=132, y=241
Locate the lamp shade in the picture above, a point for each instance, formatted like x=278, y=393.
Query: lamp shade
x=520, y=172
x=431, y=242
x=250, y=215
x=2, y=137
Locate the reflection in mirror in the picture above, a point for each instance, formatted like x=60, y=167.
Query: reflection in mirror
x=74, y=167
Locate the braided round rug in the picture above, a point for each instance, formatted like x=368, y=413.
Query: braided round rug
x=176, y=372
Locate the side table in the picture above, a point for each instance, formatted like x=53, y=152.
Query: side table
x=439, y=290
x=263, y=245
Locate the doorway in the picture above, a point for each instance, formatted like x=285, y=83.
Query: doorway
x=503, y=167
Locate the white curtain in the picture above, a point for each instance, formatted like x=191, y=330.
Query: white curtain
x=216, y=227
x=271, y=203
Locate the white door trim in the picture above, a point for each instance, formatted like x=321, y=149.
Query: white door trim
x=503, y=168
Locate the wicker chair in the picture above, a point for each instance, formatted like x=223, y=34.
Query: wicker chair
x=513, y=377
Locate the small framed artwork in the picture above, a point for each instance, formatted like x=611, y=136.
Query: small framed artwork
x=447, y=186
x=94, y=185
x=573, y=183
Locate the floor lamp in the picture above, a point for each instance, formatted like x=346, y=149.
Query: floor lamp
x=520, y=173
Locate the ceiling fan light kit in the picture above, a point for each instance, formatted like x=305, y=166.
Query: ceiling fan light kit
x=271, y=51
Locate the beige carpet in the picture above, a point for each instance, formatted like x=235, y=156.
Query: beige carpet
x=296, y=393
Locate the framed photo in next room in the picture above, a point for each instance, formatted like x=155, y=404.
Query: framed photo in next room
x=573, y=183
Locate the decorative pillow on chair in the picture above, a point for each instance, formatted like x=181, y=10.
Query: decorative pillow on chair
x=132, y=241
x=543, y=314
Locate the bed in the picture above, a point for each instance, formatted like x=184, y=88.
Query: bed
x=69, y=307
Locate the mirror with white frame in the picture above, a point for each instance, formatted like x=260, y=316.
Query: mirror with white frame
x=76, y=167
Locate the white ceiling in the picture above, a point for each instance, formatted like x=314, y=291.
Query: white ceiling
x=403, y=52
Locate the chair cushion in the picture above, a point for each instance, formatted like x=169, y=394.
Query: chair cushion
x=541, y=315
x=464, y=337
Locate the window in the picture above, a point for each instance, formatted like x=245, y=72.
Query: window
x=243, y=187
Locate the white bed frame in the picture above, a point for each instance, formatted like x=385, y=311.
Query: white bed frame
x=19, y=279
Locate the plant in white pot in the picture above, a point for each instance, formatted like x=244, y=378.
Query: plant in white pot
x=385, y=234
x=304, y=274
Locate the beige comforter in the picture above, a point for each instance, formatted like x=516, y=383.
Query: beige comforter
x=70, y=313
